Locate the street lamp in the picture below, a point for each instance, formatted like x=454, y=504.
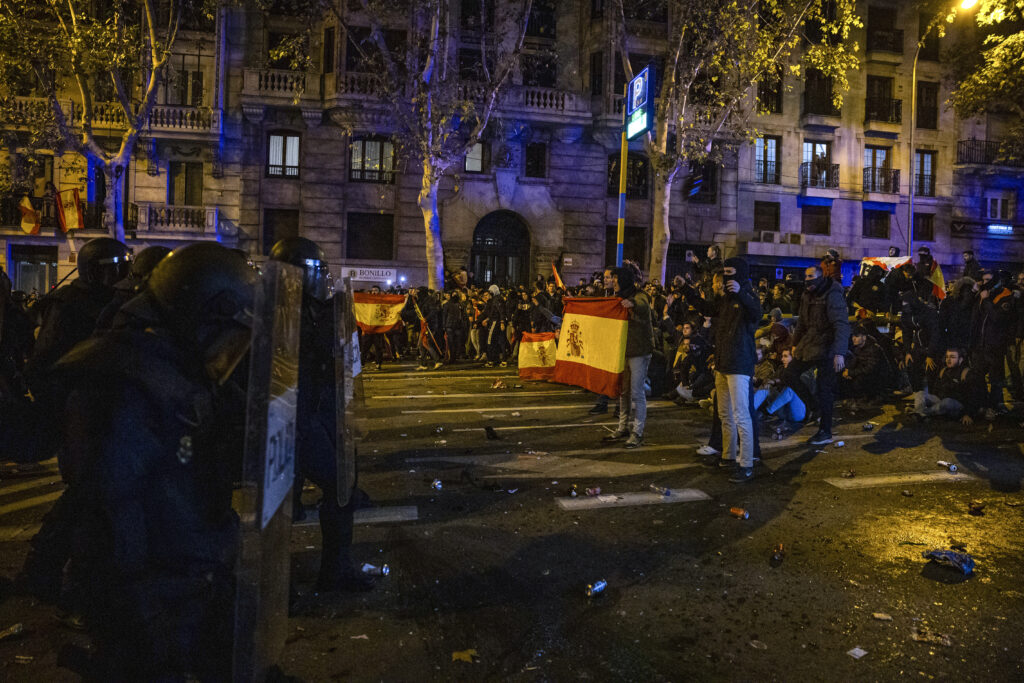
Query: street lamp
x=965, y=5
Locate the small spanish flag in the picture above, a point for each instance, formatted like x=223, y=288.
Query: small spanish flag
x=558, y=279
x=537, y=355
x=29, y=217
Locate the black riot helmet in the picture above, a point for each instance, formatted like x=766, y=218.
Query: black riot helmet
x=145, y=261
x=306, y=254
x=102, y=262
x=204, y=293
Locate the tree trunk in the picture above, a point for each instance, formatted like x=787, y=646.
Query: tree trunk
x=661, y=232
x=115, y=199
x=427, y=201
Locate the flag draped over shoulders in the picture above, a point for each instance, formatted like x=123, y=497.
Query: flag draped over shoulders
x=537, y=355
x=592, y=346
x=378, y=313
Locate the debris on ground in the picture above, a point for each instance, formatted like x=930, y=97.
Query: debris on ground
x=596, y=588
x=839, y=444
x=778, y=555
x=907, y=493
x=498, y=384
x=436, y=485
x=739, y=513
x=516, y=414
x=574, y=491
x=1014, y=503
x=849, y=474
x=441, y=442
x=660, y=490
x=512, y=491
x=24, y=659
x=374, y=570
x=857, y=653
x=976, y=507
x=595, y=491
x=951, y=558
x=470, y=656
x=12, y=632
x=439, y=430
x=491, y=434
x=881, y=616
x=758, y=645
x=361, y=636
x=948, y=465
x=868, y=426
x=923, y=635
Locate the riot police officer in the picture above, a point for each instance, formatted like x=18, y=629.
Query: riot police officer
x=154, y=444
x=316, y=441
x=142, y=265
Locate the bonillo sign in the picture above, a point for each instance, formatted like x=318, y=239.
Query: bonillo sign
x=369, y=274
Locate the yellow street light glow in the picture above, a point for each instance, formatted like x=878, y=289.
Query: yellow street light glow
x=968, y=4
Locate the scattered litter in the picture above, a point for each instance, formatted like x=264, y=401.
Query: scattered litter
x=516, y=414
x=607, y=498
x=512, y=491
x=470, y=656
x=739, y=513
x=660, y=490
x=922, y=635
x=441, y=442
x=758, y=645
x=24, y=659
x=881, y=616
x=595, y=491
x=517, y=386
x=530, y=451
x=849, y=474
x=868, y=426
x=857, y=653
x=554, y=482
x=819, y=450
x=374, y=570
x=976, y=507
x=596, y=587
x=439, y=430
x=403, y=435
x=840, y=444
x=908, y=493
x=573, y=491
x=436, y=484
x=498, y=384
x=12, y=632
x=948, y=465
x=778, y=555
x=361, y=636
x=950, y=558
x=1014, y=503
x=912, y=543
x=491, y=434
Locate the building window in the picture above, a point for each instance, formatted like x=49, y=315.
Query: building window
x=816, y=167
x=539, y=70
x=541, y=23
x=924, y=177
x=876, y=224
x=882, y=34
x=769, y=95
x=815, y=220
x=655, y=11
x=924, y=227
x=702, y=183
x=997, y=206
x=275, y=42
x=766, y=216
x=637, y=168
x=471, y=66
x=536, y=160
x=817, y=97
x=596, y=73
x=930, y=49
x=370, y=236
x=766, y=159
x=279, y=224
x=878, y=174
x=328, y=48
x=33, y=268
x=372, y=161
x=283, y=155
x=478, y=158
x=470, y=19
x=185, y=183
x=927, y=105
x=634, y=244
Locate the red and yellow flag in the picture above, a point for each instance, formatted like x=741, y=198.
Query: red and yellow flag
x=378, y=313
x=592, y=347
x=69, y=210
x=537, y=355
x=29, y=217
x=938, y=282
x=558, y=278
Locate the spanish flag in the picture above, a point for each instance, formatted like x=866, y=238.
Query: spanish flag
x=69, y=210
x=558, y=278
x=537, y=355
x=378, y=313
x=938, y=282
x=29, y=217
x=592, y=347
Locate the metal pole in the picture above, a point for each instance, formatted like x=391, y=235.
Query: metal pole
x=623, y=157
x=913, y=154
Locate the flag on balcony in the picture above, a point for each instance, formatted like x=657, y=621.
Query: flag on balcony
x=537, y=355
x=29, y=217
x=378, y=313
x=69, y=210
x=592, y=347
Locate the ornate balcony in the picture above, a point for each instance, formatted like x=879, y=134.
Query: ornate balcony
x=924, y=185
x=767, y=172
x=883, y=180
x=819, y=175
x=166, y=218
x=983, y=152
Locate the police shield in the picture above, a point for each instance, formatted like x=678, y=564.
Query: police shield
x=263, y=499
x=349, y=389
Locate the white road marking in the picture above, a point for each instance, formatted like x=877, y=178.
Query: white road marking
x=492, y=394
x=630, y=499
x=562, y=426
x=506, y=409
x=30, y=503
x=381, y=515
x=767, y=444
x=908, y=478
x=537, y=466
x=28, y=485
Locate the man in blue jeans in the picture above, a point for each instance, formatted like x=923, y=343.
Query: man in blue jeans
x=639, y=347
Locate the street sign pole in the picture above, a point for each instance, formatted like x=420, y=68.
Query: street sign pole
x=636, y=120
x=623, y=156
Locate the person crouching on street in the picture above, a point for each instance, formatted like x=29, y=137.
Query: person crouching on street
x=639, y=348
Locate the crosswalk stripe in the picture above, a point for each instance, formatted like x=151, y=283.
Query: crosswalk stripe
x=30, y=502
x=506, y=409
x=491, y=394
x=28, y=485
x=905, y=478
x=631, y=499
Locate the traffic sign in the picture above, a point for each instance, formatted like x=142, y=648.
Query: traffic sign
x=639, y=109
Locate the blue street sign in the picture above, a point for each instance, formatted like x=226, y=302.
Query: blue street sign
x=639, y=109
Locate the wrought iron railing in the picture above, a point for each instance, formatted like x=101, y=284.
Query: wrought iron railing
x=819, y=174
x=885, y=40
x=766, y=172
x=885, y=180
x=984, y=152
x=884, y=109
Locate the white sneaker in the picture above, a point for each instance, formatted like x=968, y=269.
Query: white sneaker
x=706, y=450
x=438, y=365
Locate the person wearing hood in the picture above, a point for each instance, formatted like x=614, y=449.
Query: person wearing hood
x=954, y=310
x=821, y=340
x=639, y=348
x=922, y=339
x=992, y=331
x=494, y=328
x=735, y=312
x=870, y=293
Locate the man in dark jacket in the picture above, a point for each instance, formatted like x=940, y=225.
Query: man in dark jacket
x=863, y=375
x=957, y=391
x=992, y=331
x=639, y=348
x=735, y=312
x=972, y=268
x=821, y=340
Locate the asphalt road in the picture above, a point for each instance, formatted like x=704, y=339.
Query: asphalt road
x=489, y=573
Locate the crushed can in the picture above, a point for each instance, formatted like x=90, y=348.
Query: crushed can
x=436, y=485
x=374, y=570
x=574, y=491
x=778, y=436
x=868, y=426
x=739, y=513
x=660, y=490
x=596, y=588
x=948, y=465
x=778, y=555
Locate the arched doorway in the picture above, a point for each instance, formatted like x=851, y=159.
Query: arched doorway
x=501, y=250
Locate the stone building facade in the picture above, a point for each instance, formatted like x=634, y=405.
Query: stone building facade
x=245, y=151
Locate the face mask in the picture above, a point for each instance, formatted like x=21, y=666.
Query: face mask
x=815, y=284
